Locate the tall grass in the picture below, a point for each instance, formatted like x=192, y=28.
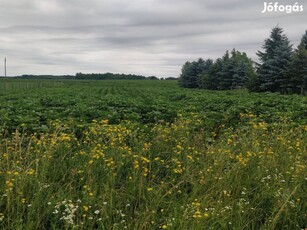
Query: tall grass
x=176, y=175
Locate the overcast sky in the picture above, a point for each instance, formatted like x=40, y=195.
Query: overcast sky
x=148, y=37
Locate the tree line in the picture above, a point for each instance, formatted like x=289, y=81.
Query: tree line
x=109, y=76
x=280, y=68
x=93, y=76
x=117, y=76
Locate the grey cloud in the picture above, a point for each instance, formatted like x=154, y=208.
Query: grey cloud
x=152, y=37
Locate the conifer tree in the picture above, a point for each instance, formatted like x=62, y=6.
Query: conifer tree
x=298, y=67
x=232, y=71
x=191, y=72
x=274, y=60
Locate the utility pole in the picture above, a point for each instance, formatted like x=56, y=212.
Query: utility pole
x=4, y=67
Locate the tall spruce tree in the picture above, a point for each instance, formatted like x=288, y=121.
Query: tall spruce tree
x=243, y=69
x=232, y=71
x=225, y=74
x=211, y=78
x=274, y=62
x=187, y=77
x=298, y=67
x=191, y=72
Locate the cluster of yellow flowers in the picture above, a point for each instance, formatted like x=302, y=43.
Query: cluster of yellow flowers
x=155, y=165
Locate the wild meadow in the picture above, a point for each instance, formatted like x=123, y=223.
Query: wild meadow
x=77, y=154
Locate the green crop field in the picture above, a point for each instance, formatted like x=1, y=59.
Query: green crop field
x=147, y=154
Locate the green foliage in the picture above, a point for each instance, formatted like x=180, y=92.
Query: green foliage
x=279, y=70
x=150, y=155
x=171, y=78
x=274, y=60
x=111, y=76
x=92, y=76
x=229, y=72
x=298, y=68
x=31, y=104
x=47, y=77
x=190, y=76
